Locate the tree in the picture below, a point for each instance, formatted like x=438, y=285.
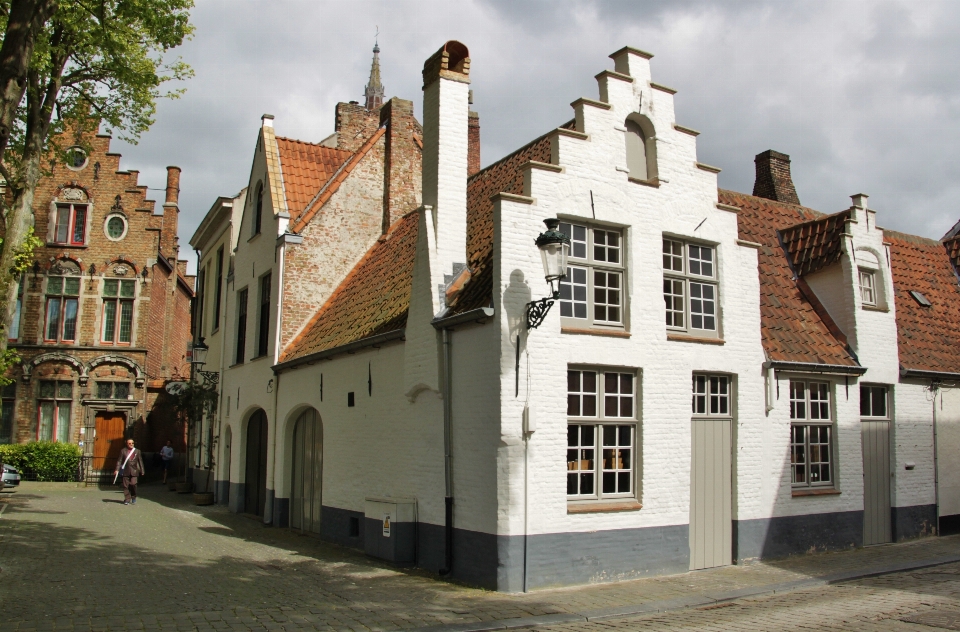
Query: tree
x=94, y=62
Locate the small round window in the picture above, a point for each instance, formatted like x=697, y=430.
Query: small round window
x=76, y=158
x=116, y=227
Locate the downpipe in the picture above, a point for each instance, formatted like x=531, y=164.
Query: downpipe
x=447, y=457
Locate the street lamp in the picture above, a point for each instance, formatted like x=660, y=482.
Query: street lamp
x=554, y=248
x=199, y=358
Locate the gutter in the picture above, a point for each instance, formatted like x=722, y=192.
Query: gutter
x=928, y=375
x=350, y=347
x=444, y=324
x=814, y=367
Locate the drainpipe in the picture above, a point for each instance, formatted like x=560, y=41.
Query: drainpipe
x=935, y=387
x=447, y=457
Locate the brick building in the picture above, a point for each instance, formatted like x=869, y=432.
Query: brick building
x=103, y=318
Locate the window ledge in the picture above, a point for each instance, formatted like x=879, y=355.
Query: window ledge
x=701, y=340
x=254, y=237
x=596, y=332
x=874, y=308
x=259, y=357
x=653, y=182
x=827, y=491
x=53, y=244
x=603, y=507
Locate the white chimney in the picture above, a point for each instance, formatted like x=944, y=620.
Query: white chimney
x=446, y=82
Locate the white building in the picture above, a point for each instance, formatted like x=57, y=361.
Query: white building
x=723, y=376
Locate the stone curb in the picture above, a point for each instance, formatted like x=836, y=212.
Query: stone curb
x=682, y=603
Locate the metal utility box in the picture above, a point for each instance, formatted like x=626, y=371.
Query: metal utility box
x=390, y=532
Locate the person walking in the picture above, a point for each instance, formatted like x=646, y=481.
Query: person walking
x=130, y=464
x=166, y=459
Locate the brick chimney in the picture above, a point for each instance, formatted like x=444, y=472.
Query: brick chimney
x=173, y=185
x=446, y=80
x=402, y=161
x=773, y=179
x=473, y=139
x=354, y=125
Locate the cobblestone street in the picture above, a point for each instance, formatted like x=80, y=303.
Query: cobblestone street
x=74, y=558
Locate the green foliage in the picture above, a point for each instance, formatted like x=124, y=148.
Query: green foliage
x=24, y=255
x=8, y=359
x=195, y=400
x=47, y=460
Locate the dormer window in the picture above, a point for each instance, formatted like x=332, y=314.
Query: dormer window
x=868, y=287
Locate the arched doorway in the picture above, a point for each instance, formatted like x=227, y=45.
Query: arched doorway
x=305, y=501
x=255, y=485
x=225, y=468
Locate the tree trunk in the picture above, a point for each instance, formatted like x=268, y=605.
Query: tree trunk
x=27, y=17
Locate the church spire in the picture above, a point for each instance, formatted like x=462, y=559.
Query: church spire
x=374, y=90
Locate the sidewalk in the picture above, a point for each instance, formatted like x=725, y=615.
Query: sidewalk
x=63, y=550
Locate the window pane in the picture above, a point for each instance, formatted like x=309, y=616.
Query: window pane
x=865, y=401
x=121, y=390
x=606, y=299
x=53, y=319
x=672, y=255
x=71, y=286
x=798, y=400
x=606, y=246
x=573, y=293
x=14, y=331
x=70, y=319
x=819, y=401
x=65, y=390
x=63, y=422
x=719, y=396
x=104, y=390
x=699, y=394
x=79, y=224
x=126, y=320
x=580, y=459
x=110, y=287
x=701, y=260
x=798, y=455
x=109, y=320
x=48, y=389
x=45, y=429
x=127, y=288
x=6, y=421
x=54, y=286
x=618, y=444
x=673, y=299
x=62, y=229
x=573, y=393
x=702, y=306
x=578, y=239
x=879, y=403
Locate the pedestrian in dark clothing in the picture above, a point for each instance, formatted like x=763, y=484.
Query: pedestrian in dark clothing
x=130, y=465
x=166, y=456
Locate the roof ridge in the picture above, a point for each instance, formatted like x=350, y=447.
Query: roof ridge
x=896, y=234
x=330, y=186
x=306, y=142
x=769, y=201
x=354, y=271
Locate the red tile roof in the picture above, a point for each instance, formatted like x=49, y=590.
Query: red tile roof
x=373, y=299
x=323, y=193
x=793, y=328
x=928, y=337
x=306, y=168
x=503, y=176
x=817, y=243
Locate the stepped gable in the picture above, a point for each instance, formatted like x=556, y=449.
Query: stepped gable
x=792, y=329
x=503, y=176
x=306, y=167
x=373, y=299
x=928, y=337
x=815, y=244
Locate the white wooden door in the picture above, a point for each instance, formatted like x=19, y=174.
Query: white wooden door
x=875, y=437
x=711, y=494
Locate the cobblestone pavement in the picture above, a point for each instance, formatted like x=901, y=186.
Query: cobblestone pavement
x=74, y=558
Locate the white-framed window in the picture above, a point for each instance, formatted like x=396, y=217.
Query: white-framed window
x=118, y=298
x=711, y=396
x=601, y=434
x=62, y=304
x=592, y=293
x=873, y=402
x=868, y=287
x=115, y=227
x=70, y=224
x=54, y=401
x=690, y=287
x=811, y=434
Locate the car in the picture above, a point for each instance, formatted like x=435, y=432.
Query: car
x=11, y=476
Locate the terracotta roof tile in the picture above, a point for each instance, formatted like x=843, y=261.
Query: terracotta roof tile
x=928, y=337
x=815, y=244
x=503, y=176
x=792, y=330
x=373, y=299
x=306, y=168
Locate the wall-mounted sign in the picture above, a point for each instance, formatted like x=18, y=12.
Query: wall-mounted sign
x=175, y=388
x=386, y=525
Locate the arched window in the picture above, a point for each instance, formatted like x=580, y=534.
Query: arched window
x=641, y=148
x=258, y=216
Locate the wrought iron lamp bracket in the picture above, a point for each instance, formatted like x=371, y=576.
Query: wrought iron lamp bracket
x=537, y=310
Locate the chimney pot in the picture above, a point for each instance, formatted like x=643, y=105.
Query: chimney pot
x=173, y=185
x=773, y=179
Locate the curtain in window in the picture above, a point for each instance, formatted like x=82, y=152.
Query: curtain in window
x=63, y=422
x=45, y=431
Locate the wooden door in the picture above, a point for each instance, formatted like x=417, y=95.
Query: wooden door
x=108, y=440
x=711, y=494
x=875, y=438
x=255, y=485
x=305, y=510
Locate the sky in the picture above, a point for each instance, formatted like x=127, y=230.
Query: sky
x=863, y=96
